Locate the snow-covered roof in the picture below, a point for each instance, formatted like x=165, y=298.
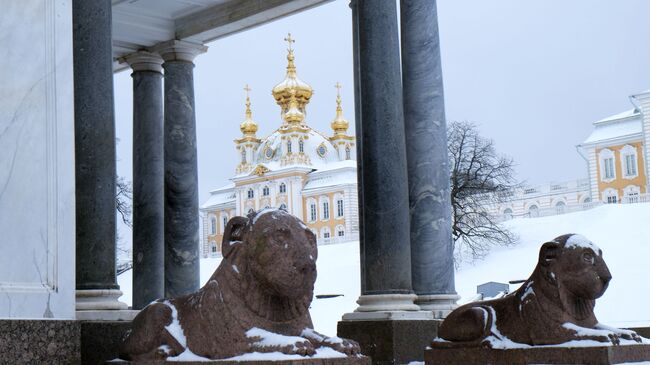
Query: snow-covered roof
x=626, y=124
x=336, y=174
x=225, y=194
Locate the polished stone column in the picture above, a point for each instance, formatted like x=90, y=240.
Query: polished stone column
x=181, y=179
x=148, y=179
x=96, y=284
x=383, y=189
x=432, y=264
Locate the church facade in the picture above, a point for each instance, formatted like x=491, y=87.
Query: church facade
x=296, y=168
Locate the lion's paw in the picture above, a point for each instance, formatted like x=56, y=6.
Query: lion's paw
x=348, y=347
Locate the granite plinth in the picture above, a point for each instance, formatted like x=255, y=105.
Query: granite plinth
x=356, y=360
x=39, y=342
x=391, y=341
x=101, y=340
x=597, y=355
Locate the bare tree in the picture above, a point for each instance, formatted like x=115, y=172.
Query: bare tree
x=123, y=199
x=479, y=177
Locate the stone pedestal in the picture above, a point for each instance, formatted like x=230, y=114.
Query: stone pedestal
x=101, y=340
x=39, y=342
x=362, y=360
x=391, y=341
x=597, y=355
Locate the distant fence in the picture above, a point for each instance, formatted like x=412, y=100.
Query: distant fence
x=557, y=210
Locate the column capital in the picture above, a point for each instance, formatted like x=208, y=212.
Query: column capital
x=143, y=61
x=175, y=50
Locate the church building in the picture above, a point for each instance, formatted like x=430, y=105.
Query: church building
x=310, y=174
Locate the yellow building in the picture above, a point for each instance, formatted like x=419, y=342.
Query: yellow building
x=309, y=174
x=616, y=154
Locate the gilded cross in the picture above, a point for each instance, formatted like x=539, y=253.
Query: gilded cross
x=338, y=88
x=248, y=89
x=289, y=41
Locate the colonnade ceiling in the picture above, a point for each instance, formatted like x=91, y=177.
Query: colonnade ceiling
x=141, y=24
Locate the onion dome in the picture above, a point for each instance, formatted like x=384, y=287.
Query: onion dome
x=292, y=86
x=339, y=124
x=248, y=126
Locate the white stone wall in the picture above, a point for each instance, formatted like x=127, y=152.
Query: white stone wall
x=37, y=208
x=644, y=104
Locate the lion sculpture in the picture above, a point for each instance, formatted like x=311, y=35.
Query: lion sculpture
x=256, y=301
x=555, y=305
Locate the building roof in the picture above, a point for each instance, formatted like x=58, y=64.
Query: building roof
x=622, y=125
x=225, y=194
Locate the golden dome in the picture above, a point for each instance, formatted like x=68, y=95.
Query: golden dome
x=248, y=126
x=292, y=86
x=339, y=124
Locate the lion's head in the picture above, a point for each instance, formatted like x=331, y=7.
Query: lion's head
x=575, y=267
x=279, y=251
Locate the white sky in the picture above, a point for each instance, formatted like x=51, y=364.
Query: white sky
x=533, y=74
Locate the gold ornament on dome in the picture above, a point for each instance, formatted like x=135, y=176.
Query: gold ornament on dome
x=248, y=126
x=292, y=94
x=321, y=150
x=339, y=124
x=260, y=170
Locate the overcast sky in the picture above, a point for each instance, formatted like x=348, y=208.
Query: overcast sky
x=533, y=74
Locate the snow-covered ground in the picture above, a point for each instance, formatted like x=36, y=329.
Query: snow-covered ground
x=619, y=230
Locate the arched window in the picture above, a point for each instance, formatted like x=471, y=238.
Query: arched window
x=251, y=193
x=559, y=207
x=339, y=208
x=243, y=156
x=326, y=234
x=533, y=211
x=283, y=207
x=610, y=196
x=214, y=248
x=340, y=231
x=631, y=194
x=347, y=152
x=213, y=225
x=326, y=209
x=507, y=213
x=628, y=157
x=265, y=191
x=312, y=211
x=283, y=188
x=301, y=146
x=224, y=221
x=289, y=146
x=607, y=170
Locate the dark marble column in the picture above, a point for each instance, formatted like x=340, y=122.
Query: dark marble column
x=428, y=169
x=94, y=156
x=385, y=244
x=148, y=179
x=181, y=179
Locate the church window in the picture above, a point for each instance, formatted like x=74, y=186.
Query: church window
x=301, y=146
x=225, y=223
x=283, y=188
x=265, y=191
x=347, y=152
x=283, y=207
x=214, y=248
x=243, y=156
x=321, y=150
x=609, y=167
x=251, y=194
x=312, y=212
x=630, y=165
x=213, y=225
x=288, y=146
x=339, y=208
x=326, y=210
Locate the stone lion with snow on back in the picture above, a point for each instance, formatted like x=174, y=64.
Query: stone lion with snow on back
x=256, y=301
x=555, y=305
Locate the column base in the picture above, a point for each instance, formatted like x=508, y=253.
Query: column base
x=439, y=304
x=387, y=303
x=392, y=341
x=99, y=300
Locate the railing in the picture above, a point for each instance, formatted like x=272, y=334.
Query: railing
x=550, y=211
